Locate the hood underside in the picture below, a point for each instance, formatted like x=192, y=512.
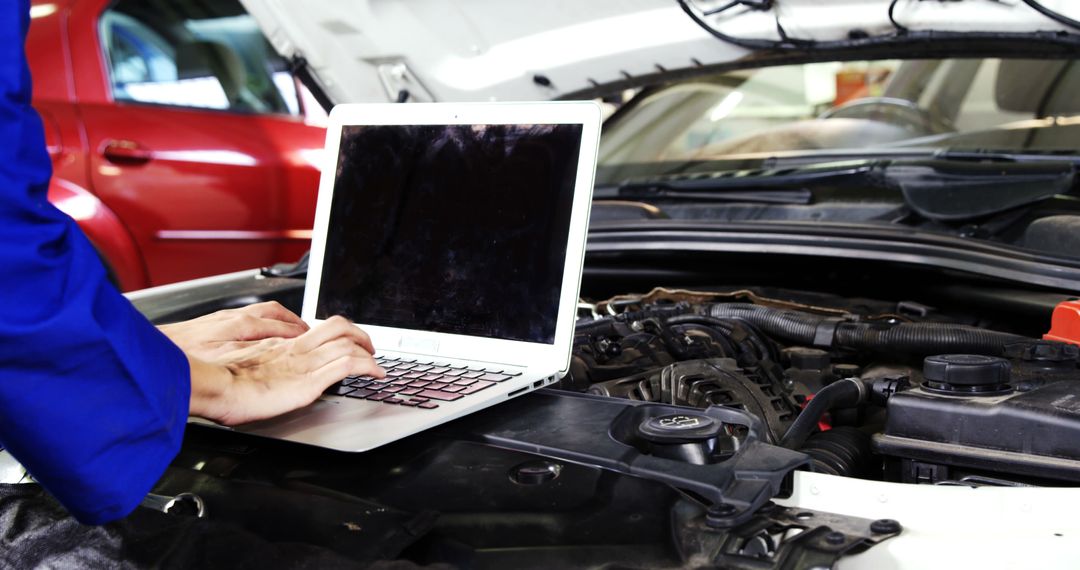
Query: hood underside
x=478, y=50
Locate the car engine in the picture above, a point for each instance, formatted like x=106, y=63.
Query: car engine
x=674, y=439
x=870, y=389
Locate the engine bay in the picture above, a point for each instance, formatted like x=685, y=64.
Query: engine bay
x=678, y=436
x=879, y=390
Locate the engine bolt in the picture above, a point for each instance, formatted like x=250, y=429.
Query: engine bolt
x=835, y=538
x=718, y=515
x=885, y=526
x=723, y=510
x=535, y=472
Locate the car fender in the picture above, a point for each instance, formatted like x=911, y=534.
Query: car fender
x=112, y=240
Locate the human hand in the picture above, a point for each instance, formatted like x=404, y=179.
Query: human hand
x=210, y=336
x=265, y=378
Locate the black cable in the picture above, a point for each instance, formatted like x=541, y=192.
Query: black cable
x=903, y=32
x=727, y=348
x=723, y=8
x=766, y=349
x=785, y=42
x=752, y=4
x=1055, y=16
x=785, y=39
x=771, y=350
x=900, y=28
x=757, y=340
x=746, y=43
x=673, y=346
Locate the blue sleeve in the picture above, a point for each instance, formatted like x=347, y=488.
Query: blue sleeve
x=93, y=398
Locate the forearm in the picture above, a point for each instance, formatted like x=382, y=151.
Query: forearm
x=98, y=422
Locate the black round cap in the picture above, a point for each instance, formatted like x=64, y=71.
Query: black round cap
x=679, y=428
x=535, y=472
x=966, y=370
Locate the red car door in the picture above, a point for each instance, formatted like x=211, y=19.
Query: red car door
x=195, y=133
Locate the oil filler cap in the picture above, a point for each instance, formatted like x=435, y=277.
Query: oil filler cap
x=1065, y=323
x=679, y=428
x=966, y=373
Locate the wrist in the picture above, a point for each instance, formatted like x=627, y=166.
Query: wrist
x=212, y=388
x=167, y=331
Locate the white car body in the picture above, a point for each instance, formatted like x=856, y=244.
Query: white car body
x=365, y=51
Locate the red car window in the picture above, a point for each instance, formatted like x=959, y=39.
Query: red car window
x=194, y=54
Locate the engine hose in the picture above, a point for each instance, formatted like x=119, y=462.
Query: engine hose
x=791, y=325
x=912, y=338
x=845, y=392
x=842, y=450
x=925, y=338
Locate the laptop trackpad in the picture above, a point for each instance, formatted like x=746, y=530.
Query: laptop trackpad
x=325, y=417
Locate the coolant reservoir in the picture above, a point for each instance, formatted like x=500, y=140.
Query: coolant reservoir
x=967, y=417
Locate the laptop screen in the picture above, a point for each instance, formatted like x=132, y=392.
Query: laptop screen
x=451, y=228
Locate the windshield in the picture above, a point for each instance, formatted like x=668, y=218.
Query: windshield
x=861, y=142
x=960, y=104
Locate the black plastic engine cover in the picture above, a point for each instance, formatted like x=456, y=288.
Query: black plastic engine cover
x=1034, y=433
x=605, y=433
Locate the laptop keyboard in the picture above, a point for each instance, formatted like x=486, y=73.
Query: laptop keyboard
x=420, y=383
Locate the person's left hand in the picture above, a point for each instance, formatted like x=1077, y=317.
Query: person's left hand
x=272, y=376
x=211, y=336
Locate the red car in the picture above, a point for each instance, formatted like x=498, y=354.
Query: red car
x=181, y=143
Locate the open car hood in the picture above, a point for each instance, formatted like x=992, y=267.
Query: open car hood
x=473, y=50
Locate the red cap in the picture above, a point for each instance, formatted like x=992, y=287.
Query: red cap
x=1065, y=324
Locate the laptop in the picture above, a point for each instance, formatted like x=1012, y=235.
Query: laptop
x=454, y=235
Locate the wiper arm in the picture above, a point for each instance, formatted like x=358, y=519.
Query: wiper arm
x=1000, y=156
x=786, y=186
x=954, y=186
x=673, y=192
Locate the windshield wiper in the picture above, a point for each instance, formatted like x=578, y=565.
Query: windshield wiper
x=674, y=192
x=956, y=187
x=772, y=186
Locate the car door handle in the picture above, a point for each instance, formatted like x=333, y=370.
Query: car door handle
x=124, y=152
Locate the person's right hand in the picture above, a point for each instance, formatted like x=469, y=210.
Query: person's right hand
x=269, y=377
